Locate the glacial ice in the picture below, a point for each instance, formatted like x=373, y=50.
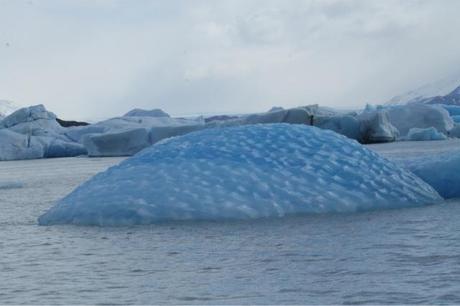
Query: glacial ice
x=138, y=112
x=27, y=114
x=345, y=125
x=122, y=143
x=243, y=172
x=59, y=148
x=441, y=171
x=5, y=185
x=431, y=133
x=455, y=131
x=17, y=146
x=438, y=165
x=125, y=136
x=454, y=110
x=376, y=127
x=418, y=115
x=33, y=132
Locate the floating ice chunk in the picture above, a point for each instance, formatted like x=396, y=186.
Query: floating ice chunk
x=125, y=136
x=11, y=185
x=123, y=143
x=454, y=110
x=455, y=132
x=276, y=109
x=239, y=173
x=456, y=118
x=17, y=146
x=441, y=171
x=59, y=148
x=78, y=132
x=376, y=127
x=159, y=133
x=416, y=134
x=343, y=124
x=27, y=114
x=419, y=115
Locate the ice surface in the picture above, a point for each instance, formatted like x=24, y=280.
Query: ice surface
x=343, y=124
x=125, y=136
x=59, y=148
x=437, y=164
x=376, y=127
x=33, y=132
x=17, y=146
x=76, y=133
x=240, y=173
x=10, y=185
x=418, y=115
x=416, y=134
x=123, y=143
x=454, y=110
x=158, y=133
x=27, y=114
x=441, y=171
x=137, y=112
x=299, y=115
x=455, y=132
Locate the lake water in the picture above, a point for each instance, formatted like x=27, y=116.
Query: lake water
x=399, y=256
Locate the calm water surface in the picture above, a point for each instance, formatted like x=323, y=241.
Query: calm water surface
x=397, y=256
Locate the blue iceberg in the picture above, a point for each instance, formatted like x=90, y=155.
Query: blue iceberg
x=441, y=171
x=243, y=172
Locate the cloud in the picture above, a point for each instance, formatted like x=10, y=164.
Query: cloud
x=91, y=59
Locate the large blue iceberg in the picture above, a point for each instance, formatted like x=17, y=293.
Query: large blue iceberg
x=441, y=171
x=242, y=172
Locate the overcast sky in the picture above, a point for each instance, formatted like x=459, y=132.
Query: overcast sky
x=89, y=59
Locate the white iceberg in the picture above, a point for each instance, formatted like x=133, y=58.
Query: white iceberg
x=441, y=171
x=27, y=114
x=455, y=132
x=243, y=172
x=346, y=125
x=60, y=148
x=124, y=143
x=454, y=110
x=418, y=115
x=17, y=146
x=33, y=132
x=6, y=185
x=125, y=136
x=431, y=133
x=138, y=112
x=376, y=126
x=438, y=165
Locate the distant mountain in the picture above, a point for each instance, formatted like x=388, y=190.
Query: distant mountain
x=7, y=107
x=441, y=88
x=452, y=98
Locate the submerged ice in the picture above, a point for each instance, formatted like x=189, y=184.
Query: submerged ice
x=240, y=173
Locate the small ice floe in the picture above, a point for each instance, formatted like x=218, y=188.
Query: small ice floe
x=11, y=185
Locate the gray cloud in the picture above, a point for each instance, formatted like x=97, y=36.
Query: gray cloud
x=89, y=59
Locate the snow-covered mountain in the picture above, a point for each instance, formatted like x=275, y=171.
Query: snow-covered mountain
x=441, y=88
x=453, y=98
x=7, y=107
